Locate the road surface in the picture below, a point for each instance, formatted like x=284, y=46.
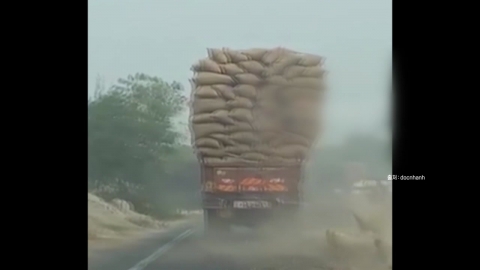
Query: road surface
x=187, y=248
x=182, y=248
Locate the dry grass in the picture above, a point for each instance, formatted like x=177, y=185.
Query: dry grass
x=116, y=219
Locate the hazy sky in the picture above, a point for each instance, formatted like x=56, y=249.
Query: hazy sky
x=165, y=37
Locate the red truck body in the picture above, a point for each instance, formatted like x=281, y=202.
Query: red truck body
x=235, y=193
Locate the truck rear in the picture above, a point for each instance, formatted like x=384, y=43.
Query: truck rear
x=253, y=121
x=249, y=196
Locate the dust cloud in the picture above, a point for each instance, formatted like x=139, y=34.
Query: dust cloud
x=346, y=232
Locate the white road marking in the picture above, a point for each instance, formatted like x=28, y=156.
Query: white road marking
x=142, y=264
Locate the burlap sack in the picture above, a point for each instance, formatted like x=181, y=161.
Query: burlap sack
x=240, y=102
x=283, y=161
x=238, y=126
x=238, y=149
x=266, y=106
x=245, y=90
x=267, y=124
x=241, y=114
x=205, y=92
x=217, y=55
x=255, y=54
x=274, y=56
x=244, y=102
x=208, y=105
x=207, y=65
x=244, y=137
x=310, y=60
x=225, y=91
x=209, y=78
x=232, y=69
x=276, y=80
x=203, y=130
x=265, y=149
x=234, y=160
x=253, y=67
x=247, y=78
x=267, y=136
x=220, y=116
x=253, y=156
x=225, y=55
x=211, y=152
x=280, y=65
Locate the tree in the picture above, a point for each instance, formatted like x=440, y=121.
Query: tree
x=131, y=134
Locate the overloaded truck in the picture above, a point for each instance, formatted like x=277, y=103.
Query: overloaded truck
x=254, y=117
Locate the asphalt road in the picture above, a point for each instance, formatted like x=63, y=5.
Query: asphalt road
x=187, y=248
x=182, y=248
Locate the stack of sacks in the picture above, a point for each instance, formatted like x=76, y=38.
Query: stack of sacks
x=256, y=105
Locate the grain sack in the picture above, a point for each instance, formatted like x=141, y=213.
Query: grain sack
x=244, y=137
x=238, y=126
x=207, y=65
x=202, y=130
x=280, y=65
x=220, y=116
x=280, y=160
x=273, y=56
x=267, y=136
x=207, y=143
x=225, y=55
x=241, y=115
x=245, y=90
x=266, y=106
x=253, y=67
x=264, y=123
x=222, y=138
x=205, y=92
x=225, y=91
x=217, y=55
x=247, y=78
x=309, y=60
x=268, y=92
x=226, y=160
x=210, y=152
x=255, y=54
x=253, y=156
x=232, y=69
x=236, y=56
x=265, y=149
x=276, y=80
x=208, y=105
x=209, y=78
x=255, y=106
x=240, y=102
x=238, y=149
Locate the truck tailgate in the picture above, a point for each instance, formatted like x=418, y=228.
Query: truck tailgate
x=245, y=179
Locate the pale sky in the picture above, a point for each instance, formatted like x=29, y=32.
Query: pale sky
x=165, y=37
